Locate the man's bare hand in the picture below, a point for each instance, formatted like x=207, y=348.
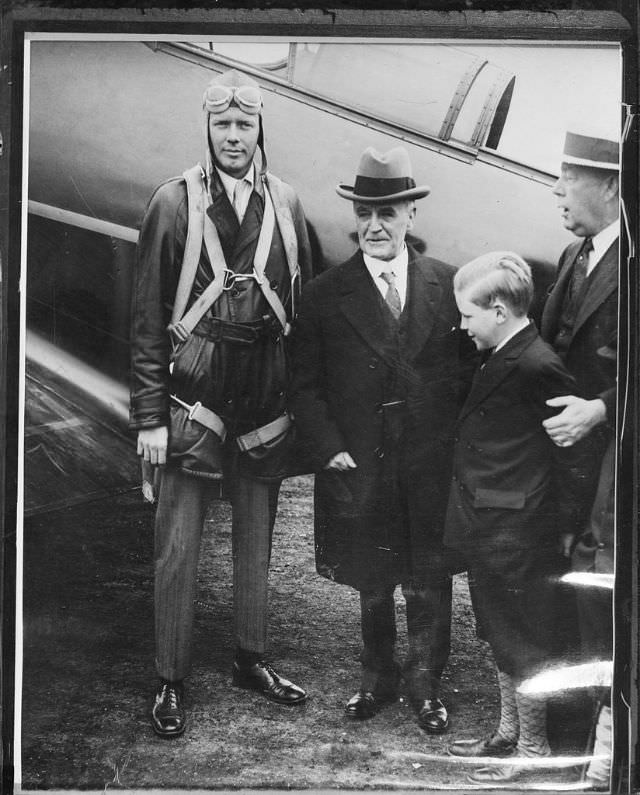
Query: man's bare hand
x=152, y=444
x=575, y=421
x=341, y=461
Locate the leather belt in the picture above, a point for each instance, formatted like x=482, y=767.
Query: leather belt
x=218, y=330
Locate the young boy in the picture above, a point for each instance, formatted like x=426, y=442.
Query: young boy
x=513, y=492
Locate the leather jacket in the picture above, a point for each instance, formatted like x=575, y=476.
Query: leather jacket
x=246, y=400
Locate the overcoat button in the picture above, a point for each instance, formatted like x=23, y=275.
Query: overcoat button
x=373, y=363
x=379, y=452
x=274, y=285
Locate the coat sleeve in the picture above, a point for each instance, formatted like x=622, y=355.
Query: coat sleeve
x=155, y=281
x=571, y=465
x=321, y=436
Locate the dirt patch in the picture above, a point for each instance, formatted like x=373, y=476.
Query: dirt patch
x=89, y=675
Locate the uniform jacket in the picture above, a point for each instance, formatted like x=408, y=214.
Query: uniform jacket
x=596, y=325
x=160, y=253
x=513, y=489
x=350, y=359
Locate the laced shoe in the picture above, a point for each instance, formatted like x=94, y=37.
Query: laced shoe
x=168, y=716
x=262, y=677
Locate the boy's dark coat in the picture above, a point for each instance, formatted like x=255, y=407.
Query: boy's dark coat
x=511, y=484
x=513, y=492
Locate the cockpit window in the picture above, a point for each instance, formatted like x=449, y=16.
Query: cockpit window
x=512, y=100
x=270, y=56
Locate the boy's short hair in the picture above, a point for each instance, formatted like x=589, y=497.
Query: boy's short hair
x=500, y=275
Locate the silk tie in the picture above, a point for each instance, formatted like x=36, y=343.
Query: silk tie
x=580, y=267
x=392, y=296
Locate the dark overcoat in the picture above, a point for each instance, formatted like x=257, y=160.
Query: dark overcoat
x=513, y=491
x=388, y=393
x=596, y=326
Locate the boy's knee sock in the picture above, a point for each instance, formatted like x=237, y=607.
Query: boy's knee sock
x=509, y=727
x=532, y=713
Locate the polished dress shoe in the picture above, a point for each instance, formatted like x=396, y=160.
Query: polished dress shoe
x=261, y=677
x=433, y=716
x=168, y=716
x=490, y=746
x=365, y=704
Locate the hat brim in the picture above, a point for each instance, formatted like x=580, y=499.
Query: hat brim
x=570, y=160
x=419, y=192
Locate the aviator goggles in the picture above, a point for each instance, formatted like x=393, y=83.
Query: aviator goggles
x=218, y=98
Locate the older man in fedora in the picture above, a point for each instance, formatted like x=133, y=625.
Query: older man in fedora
x=221, y=256
x=380, y=371
x=580, y=320
x=581, y=313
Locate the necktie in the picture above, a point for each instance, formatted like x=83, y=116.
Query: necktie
x=580, y=267
x=238, y=198
x=392, y=296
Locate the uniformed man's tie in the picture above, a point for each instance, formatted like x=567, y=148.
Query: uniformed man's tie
x=392, y=296
x=580, y=267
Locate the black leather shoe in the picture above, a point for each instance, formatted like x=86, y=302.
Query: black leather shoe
x=490, y=746
x=433, y=716
x=265, y=680
x=365, y=705
x=168, y=716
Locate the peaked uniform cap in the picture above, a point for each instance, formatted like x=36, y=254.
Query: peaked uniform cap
x=383, y=178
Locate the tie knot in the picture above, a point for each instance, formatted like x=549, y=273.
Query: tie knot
x=587, y=246
x=389, y=277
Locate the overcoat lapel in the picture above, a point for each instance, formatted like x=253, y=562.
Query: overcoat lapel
x=553, y=307
x=497, y=368
x=423, y=298
x=361, y=306
x=603, y=282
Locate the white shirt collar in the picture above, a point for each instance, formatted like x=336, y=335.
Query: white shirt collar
x=602, y=242
x=229, y=183
x=398, y=266
x=520, y=327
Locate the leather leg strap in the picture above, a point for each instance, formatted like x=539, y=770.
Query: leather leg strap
x=264, y=434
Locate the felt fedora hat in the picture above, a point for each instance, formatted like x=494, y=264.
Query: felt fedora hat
x=383, y=178
x=592, y=144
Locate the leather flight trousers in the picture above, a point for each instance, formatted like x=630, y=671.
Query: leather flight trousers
x=183, y=502
x=429, y=639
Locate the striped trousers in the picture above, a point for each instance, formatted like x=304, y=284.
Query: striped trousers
x=182, y=507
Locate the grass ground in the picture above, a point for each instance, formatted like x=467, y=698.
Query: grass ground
x=89, y=677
